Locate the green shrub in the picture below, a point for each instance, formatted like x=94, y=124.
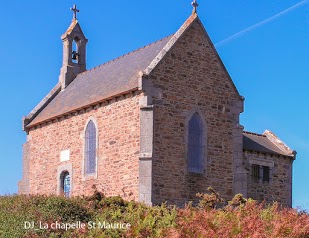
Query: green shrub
x=240, y=218
x=16, y=210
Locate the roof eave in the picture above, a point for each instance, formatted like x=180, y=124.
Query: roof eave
x=292, y=157
x=29, y=126
x=279, y=143
x=46, y=100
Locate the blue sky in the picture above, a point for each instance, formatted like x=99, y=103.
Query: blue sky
x=268, y=63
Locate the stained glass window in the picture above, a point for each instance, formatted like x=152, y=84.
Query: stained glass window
x=66, y=184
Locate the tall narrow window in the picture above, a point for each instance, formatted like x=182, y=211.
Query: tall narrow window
x=195, y=144
x=65, y=184
x=90, y=148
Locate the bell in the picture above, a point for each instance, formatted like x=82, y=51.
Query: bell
x=74, y=55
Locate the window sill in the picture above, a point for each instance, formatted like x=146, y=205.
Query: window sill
x=90, y=176
x=260, y=181
x=196, y=174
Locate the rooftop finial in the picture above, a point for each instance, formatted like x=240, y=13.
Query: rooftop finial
x=75, y=10
x=195, y=5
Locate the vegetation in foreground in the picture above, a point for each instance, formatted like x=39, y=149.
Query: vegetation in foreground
x=60, y=217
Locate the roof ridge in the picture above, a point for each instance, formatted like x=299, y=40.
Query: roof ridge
x=129, y=53
x=253, y=133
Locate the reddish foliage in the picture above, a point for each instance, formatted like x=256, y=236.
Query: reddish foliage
x=248, y=220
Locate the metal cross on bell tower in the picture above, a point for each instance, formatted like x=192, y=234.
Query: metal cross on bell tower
x=75, y=10
x=195, y=5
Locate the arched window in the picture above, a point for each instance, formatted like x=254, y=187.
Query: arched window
x=65, y=183
x=90, y=148
x=195, y=144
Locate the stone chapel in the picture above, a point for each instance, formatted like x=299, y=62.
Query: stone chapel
x=158, y=124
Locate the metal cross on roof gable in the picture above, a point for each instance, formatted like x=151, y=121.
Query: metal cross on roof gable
x=195, y=5
x=75, y=10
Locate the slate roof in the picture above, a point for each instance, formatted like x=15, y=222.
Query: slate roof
x=116, y=77
x=260, y=143
x=112, y=78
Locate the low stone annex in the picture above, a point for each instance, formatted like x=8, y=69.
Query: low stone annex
x=158, y=124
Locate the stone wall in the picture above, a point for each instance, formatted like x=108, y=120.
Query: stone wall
x=191, y=78
x=118, y=148
x=23, y=185
x=279, y=188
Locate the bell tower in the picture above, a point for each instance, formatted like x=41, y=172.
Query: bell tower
x=74, y=52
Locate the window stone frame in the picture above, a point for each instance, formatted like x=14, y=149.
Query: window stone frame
x=63, y=168
x=189, y=115
x=262, y=162
x=95, y=174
